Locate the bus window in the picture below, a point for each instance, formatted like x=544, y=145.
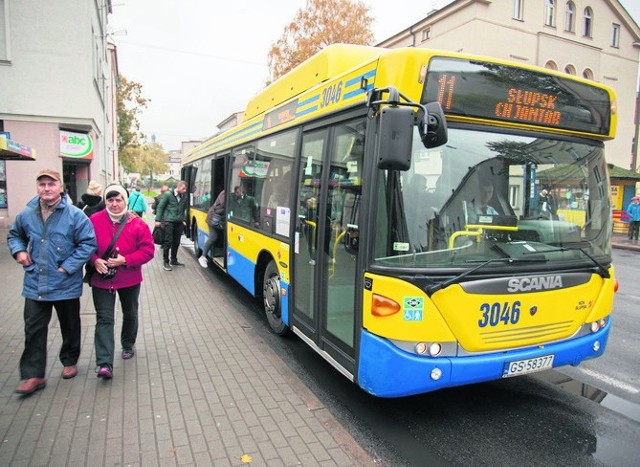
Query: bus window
x=276, y=153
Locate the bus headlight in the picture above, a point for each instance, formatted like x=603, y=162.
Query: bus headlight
x=436, y=374
x=435, y=349
x=597, y=325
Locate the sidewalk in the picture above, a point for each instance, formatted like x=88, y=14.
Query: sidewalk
x=202, y=389
x=621, y=241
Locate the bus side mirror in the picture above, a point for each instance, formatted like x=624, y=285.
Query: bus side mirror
x=433, y=132
x=395, y=137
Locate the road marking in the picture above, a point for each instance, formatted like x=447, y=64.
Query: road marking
x=612, y=381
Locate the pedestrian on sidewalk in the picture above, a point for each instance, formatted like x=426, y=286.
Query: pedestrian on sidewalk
x=634, y=217
x=91, y=201
x=137, y=203
x=215, y=221
x=156, y=200
x=52, y=240
x=120, y=273
x=171, y=215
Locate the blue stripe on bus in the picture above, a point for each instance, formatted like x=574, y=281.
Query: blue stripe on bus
x=242, y=269
x=284, y=310
x=300, y=113
x=387, y=371
x=353, y=93
x=309, y=100
x=358, y=79
x=238, y=135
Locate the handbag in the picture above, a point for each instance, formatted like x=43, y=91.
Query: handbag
x=217, y=221
x=158, y=235
x=90, y=269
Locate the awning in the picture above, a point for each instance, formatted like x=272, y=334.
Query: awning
x=13, y=151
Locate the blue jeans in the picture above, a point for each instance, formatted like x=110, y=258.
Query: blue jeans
x=211, y=241
x=37, y=315
x=104, y=302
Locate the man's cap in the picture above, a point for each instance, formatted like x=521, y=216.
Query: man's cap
x=54, y=174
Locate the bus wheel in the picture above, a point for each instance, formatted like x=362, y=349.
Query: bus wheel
x=271, y=299
x=194, y=236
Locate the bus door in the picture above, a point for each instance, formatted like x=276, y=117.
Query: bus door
x=189, y=174
x=218, y=185
x=329, y=186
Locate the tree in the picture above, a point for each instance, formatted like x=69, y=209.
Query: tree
x=154, y=161
x=130, y=103
x=321, y=23
x=146, y=159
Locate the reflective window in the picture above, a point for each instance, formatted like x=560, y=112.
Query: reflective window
x=550, y=13
x=517, y=9
x=261, y=183
x=201, y=184
x=588, y=18
x=493, y=196
x=569, y=17
x=615, y=36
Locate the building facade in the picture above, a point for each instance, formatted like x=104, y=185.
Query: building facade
x=594, y=39
x=58, y=73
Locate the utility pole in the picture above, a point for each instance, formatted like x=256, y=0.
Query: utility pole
x=636, y=124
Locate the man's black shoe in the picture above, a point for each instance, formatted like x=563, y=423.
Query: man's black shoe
x=177, y=264
x=167, y=267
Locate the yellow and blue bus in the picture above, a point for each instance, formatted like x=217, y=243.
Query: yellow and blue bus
x=422, y=219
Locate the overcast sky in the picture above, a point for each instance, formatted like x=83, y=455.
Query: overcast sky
x=199, y=61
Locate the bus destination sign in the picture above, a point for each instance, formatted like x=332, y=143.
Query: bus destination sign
x=281, y=115
x=493, y=91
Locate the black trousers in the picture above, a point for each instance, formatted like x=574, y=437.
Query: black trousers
x=37, y=316
x=171, y=243
x=634, y=226
x=105, y=303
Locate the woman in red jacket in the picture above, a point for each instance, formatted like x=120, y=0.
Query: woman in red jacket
x=119, y=271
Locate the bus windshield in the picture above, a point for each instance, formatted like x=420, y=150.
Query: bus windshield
x=496, y=197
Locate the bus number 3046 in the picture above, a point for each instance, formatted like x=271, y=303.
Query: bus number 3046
x=331, y=94
x=495, y=313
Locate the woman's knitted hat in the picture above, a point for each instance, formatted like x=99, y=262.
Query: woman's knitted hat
x=94, y=188
x=108, y=192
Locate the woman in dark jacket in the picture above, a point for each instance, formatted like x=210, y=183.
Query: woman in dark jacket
x=91, y=201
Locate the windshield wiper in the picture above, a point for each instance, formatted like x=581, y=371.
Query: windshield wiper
x=604, y=272
x=454, y=280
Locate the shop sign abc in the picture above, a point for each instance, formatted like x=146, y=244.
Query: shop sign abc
x=76, y=145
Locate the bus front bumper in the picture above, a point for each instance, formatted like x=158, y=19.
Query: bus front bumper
x=387, y=371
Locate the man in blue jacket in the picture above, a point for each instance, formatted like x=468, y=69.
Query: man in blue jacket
x=52, y=240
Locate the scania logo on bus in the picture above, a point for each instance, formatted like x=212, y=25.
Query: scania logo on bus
x=528, y=284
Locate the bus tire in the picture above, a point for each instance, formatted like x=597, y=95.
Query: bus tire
x=272, y=300
x=194, y=236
